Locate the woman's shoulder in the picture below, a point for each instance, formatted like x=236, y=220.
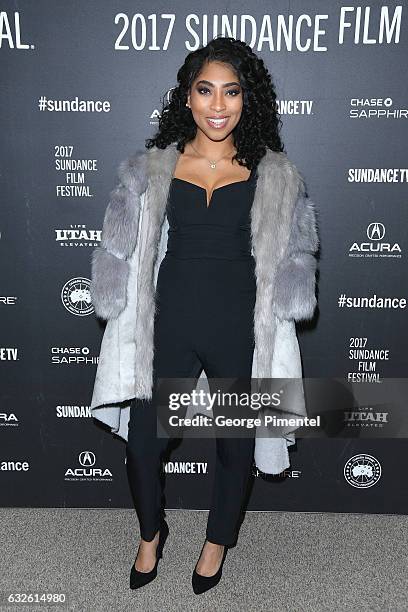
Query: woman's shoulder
x=132, y=172
x=155, y=162
x=278, y=161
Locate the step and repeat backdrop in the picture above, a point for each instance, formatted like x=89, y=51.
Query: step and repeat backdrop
x=82, y=85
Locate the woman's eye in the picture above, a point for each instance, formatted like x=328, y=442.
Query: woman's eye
x=233, y=92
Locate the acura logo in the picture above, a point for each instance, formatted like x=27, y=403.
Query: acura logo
x=375, y=247
x=376, y=231
x=87, y=472
x=87, y=459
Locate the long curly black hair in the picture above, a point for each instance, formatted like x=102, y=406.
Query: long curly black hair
x=259, y=126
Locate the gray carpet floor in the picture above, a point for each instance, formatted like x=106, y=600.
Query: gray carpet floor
x=283, y=562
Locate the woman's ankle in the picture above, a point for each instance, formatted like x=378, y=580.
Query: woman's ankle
x=146, y=554
x=153, y=541
x=208, y=560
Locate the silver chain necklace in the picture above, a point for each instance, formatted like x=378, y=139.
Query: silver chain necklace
x=213, y=163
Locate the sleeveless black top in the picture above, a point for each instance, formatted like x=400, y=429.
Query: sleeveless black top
x=221, y=231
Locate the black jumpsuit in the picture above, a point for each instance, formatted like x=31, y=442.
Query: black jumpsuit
x=205, y=296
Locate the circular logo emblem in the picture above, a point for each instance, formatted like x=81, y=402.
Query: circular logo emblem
x=376, y=231
x=76, y=296
x=87, y=458
x=362, y=471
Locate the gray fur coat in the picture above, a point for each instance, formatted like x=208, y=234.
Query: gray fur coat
x=124, y=275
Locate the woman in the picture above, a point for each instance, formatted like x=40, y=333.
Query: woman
x=216, y=190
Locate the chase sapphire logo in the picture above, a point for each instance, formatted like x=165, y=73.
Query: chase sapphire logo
x=76, y=296
x=362, y=471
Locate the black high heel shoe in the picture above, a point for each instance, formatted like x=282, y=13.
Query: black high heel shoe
x=139, y=579
x=205, y=583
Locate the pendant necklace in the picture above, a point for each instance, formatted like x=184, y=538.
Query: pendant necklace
x=213, y=163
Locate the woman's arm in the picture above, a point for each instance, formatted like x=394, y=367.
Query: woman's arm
x=295, y=282
x=110, y=268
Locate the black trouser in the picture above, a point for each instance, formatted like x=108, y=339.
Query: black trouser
x=204, y=320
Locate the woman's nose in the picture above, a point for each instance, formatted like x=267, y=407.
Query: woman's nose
x=218, y=102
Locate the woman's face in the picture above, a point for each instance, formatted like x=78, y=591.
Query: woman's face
x=216, y=93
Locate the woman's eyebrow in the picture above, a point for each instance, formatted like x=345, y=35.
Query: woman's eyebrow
x=212, y=84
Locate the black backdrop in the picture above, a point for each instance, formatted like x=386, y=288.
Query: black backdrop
x=343, y=102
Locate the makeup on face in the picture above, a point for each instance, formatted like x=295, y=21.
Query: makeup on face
x=215, y=120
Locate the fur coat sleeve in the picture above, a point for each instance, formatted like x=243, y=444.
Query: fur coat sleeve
x=109, y=265
x=294, y=295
